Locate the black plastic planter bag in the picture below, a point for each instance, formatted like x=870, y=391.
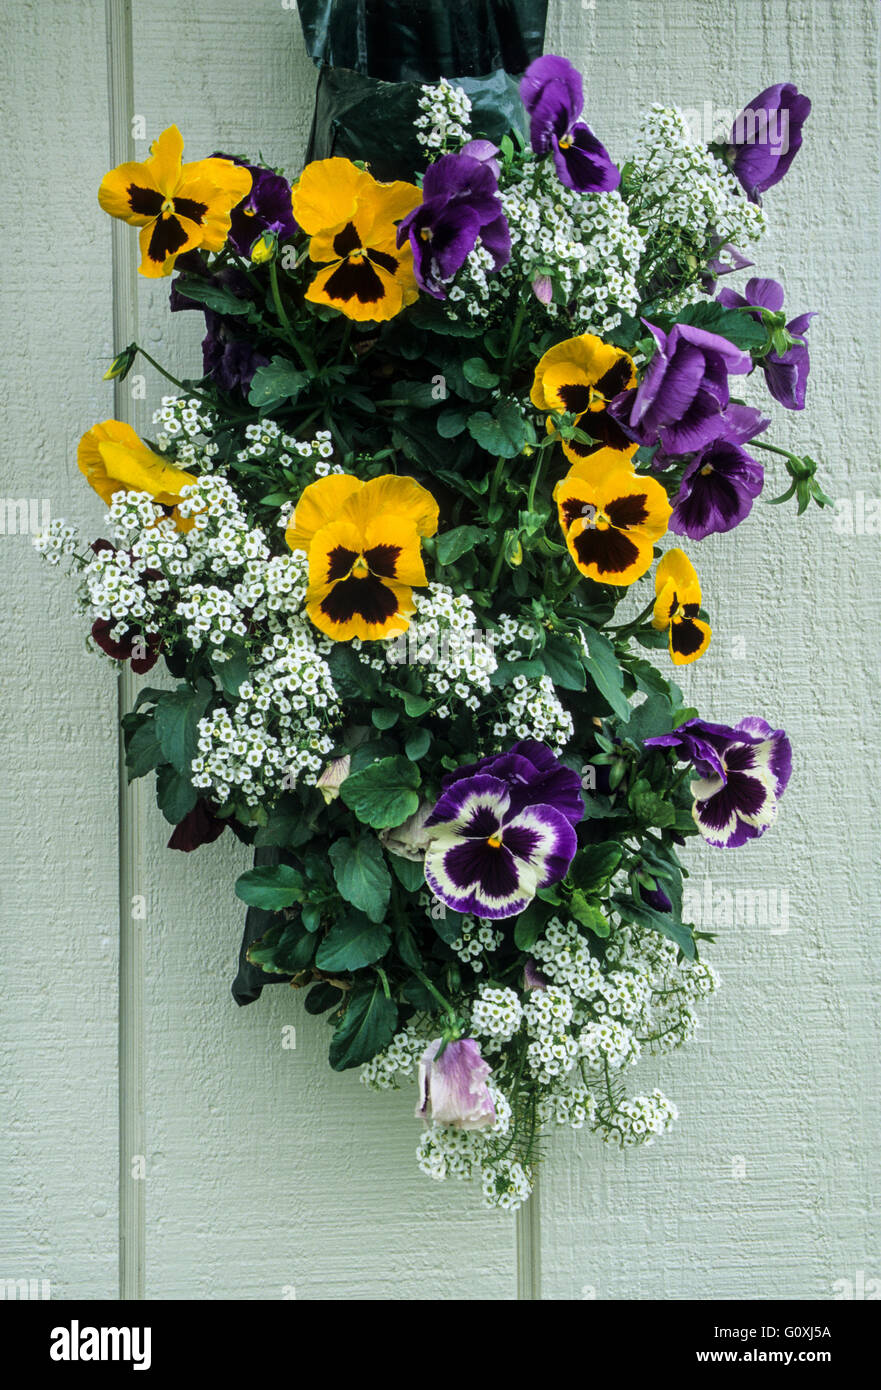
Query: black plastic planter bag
x=373, y=56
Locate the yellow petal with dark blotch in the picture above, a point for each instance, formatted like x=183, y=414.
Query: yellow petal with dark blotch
x=666, y=604
x=586, y=354
x=400, y=496
x=165, y=160
x=369, y=609
x=326, y=194
x=332, y=552
x=618, y=494
x=162, y=242
x=129, y=192
x=361, y=291
x=608, y=555
x=689, y=639
x=576, y=500
x=675, y=566
x=319, y=503
x=216, y=186
x=392, y=550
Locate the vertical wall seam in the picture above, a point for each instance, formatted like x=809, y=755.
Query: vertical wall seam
x=132, y=1125
x=528, y=1220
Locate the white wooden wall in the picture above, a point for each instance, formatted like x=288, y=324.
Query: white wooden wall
x=265, y=1172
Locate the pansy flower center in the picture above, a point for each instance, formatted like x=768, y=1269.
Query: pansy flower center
x=706, y=470
x=494, y=841
x=566, y=142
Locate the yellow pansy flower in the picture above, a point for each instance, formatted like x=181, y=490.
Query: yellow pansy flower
x=177, y=206
x=611, y=519
x=363, y=541
x=351, y=219
x=677, y=604
x=113, y=459
x=579, y=377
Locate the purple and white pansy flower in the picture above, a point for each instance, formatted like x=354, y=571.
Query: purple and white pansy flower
x=742, y=773
x=502, y=829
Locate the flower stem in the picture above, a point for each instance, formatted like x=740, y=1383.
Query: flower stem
x=190, y=390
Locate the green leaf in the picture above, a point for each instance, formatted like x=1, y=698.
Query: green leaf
x=352, y=679
x=453, y=544
x=384, y=718
x=175, y=794
x=663, y=922
x=650, y=806
x=417, y=744
x=479, y=374
x=415, y=706
x=604, y=671
x=450, y=423
x=231, y=673
x=283, y=949
x=589, y=914
x=594, y=865
x=216, y=297
x=322, y=997
x=407, y=949
x=286, y=827
x=271, y=886
x=409, y=872
x=503, y=433
x=563, y=663
x=530, y=924
x=142, y=750
x=383, y=794
x=279, y=381
x=352, y=942
x=367, y=1026
x=653, y=716
x=506, y=671
x=361, y=875
x=177, y=718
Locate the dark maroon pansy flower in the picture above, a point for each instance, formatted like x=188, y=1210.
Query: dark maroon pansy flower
x=124, y=648
x=199, y=827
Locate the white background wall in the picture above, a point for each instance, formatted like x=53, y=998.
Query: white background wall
x=264, y=1169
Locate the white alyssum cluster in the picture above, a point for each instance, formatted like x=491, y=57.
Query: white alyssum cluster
x=445, y=116
x=455, y=657
x=584, y=243
x=578, y=1028
x=183, y=423
x=496, y=1014
x=530, y=706
x=476, y=941
x=675, y=182
x=56, y=542
x=217, y=585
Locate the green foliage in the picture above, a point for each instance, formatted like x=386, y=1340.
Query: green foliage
x=384, y=793
x=367, y=1026
x=361, y=875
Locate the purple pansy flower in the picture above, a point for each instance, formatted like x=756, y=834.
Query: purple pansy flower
x=766, y=137
x=552, y=93
x=452, y=1085
x=786, y=375
x=486, y=152
x=267, y=208
x=532, y=976
x=534, y=774
x=496, y=839
x=717, y=491
x=681, y=399
x=742, y=771
x=460, y=202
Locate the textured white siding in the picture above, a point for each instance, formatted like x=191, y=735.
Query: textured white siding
x=266, y=1173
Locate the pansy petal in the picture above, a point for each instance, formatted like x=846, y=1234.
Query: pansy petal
x=319, y=503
